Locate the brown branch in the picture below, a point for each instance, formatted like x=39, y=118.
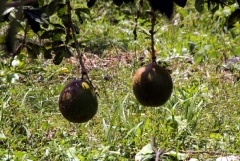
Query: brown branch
x=136, y=19
x=158, y=153
x=69, y=22
x=153, y=20
x=18, y=3
x=83, y=69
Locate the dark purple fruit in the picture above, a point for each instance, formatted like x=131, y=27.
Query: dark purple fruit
x=152, y=85
x=78, y=102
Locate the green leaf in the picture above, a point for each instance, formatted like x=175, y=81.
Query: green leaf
x=47, y=54
x=2, y=39
x=11, y=37
x=199, y=5
x=33, y=50
x=2, y=136
x=52, y=7
x=52, y=33
x=62, y=9
x=83, y=10
x=236, y=51
x=35, y=17
x=65, y=50
x=198, y=57
x=191, y=46
x=215, y=8
x=58, y=58
x=34, y=14
x=64, y=19
x=177, y=155
x=233, y=19
x=76, y=29
x=6, y=14
x=207, y=47
x=145, y=154
x=2, y=4
x=215, y=54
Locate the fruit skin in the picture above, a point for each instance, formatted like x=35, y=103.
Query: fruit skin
x=78, y=102
x=152, y=85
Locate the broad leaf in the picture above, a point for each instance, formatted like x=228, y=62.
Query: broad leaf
x=62, y=9
x=47, y=54
x=233, y=18
x=145, y=154
x=83, y=10
x=6, y=13
x=78, y=12
x=52, y=7
x=36, y=14
x=51, y=33
x=63, y=49
x=76, y=29
x=238, y=1
x=191, y=46
x=10, y=38
x=35, y=17
x=33, y=50
x=64, y=19
x=198, y=57
x=2, y=4
x=58, y=58
x=199, y=5
x=236, y=51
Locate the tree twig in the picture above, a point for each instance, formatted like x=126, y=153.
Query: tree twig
x=158, y=153
x=136, y=19
x=79, y=54
x=83, y=69
x=153, y=20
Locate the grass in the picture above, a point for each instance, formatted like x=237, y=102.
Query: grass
x=202, y=114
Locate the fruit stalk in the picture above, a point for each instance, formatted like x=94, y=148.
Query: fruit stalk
x=153, y=20
x=83, y=69
x=136, y=19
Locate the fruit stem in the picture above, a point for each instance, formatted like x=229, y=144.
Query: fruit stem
x=136, y=19
x=79, y=54
x=153, y=20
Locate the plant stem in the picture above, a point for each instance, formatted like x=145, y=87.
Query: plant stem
x=158, y=153
x=79, y=54
x=153, y=20
x=136, y=19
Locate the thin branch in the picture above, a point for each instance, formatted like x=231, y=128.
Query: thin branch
x=158, y=153
x=18, y=3
x=83, y=69
x=153, y=20
x=136, y=19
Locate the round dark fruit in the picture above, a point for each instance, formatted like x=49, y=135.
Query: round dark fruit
x=152, y=85
x=78, y=102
